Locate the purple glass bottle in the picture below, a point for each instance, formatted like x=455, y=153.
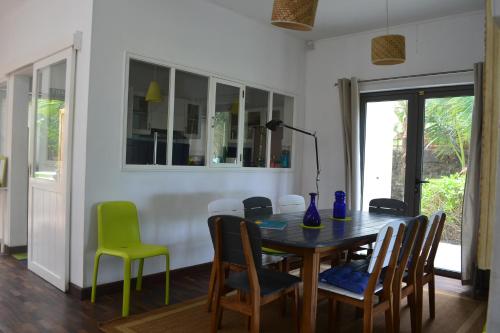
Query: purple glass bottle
x=339, y=208
x=311, y=217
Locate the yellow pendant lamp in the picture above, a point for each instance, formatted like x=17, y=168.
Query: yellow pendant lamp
x=154, y=92
x=388, y=49
x=294, y=14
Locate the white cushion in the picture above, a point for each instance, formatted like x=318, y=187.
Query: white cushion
x=270, y=259
x=337, y=290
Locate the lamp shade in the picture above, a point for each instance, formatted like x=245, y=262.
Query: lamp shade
x=154, y=93
x=294, y=14
x=388, y=50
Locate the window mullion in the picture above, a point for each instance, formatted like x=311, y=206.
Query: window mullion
x=269, y=133
x=171, y=104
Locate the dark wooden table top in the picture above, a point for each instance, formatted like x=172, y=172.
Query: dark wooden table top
x=334, y=234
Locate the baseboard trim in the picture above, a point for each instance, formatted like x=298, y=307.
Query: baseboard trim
x=15, y=249
x=114, y=287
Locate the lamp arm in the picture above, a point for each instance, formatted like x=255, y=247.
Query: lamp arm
x=299, y=130
x=318, y=170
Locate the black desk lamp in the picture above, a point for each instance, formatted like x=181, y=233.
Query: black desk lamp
x=273, y=126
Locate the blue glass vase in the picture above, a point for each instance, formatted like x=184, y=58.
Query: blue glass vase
x=339, y=208
x=311, y=217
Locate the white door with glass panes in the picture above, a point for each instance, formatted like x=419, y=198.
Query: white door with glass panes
x=49, y=180
x=226, y=122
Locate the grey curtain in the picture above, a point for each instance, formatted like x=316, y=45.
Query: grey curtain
x=471, y=206
x=349, y=107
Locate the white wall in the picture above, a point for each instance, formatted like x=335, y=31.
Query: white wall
x=173, y=204
x=31, y=30
x=450, y=43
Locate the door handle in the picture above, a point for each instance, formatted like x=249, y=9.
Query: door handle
x=420, y=181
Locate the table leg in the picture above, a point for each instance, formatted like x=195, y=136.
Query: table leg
x=310, y=298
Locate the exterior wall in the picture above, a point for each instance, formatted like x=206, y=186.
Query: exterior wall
x=449, y=43
x=173, y=204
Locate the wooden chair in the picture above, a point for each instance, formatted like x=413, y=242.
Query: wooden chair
x=257, y=207
x=412, y=245
x=238, y=242
x=382, y=206
x=261, y=207
x=291, y=203
x=226, y=207
x=232, y=207
x=385, y=255
x=388, y=206
x=425, y=268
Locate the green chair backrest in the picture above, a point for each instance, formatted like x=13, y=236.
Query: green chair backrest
x=117, y=224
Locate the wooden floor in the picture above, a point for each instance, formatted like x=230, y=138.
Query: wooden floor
x=29, y=304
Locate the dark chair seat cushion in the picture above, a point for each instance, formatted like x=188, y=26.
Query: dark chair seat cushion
x=352, y=276
x=270, y=281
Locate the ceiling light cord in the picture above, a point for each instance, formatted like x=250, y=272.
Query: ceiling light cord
x=387, y=16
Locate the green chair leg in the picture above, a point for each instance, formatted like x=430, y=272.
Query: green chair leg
x=138, y=285
x=94, y=279
x=167, y=279
x=126, y=287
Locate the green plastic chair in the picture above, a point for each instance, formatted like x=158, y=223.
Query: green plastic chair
x=119, y=236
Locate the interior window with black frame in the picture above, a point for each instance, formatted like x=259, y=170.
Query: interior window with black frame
x=147, y=113
x=281, y=139
x=190, y=119
x=255, y=131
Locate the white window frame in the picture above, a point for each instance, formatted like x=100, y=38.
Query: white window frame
x=212, y=80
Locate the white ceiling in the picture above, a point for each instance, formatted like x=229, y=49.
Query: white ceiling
x=340, y=17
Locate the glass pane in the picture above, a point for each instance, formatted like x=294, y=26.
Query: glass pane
x=49, y=114
x=281, y=139
x=3, y=114
x=147, y=113
x=385, y=150
x=255, y=142
x=225, y=143
x=190, y=119
x=446, y=146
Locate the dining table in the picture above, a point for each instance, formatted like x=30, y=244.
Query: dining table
x=313, y=244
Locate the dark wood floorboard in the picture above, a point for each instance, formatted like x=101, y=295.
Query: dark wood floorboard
x=29, y=304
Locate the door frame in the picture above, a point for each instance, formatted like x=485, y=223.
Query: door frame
x=64, y=180
x=415, y=135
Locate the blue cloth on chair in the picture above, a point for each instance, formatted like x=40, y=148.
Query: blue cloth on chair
x=347, y=277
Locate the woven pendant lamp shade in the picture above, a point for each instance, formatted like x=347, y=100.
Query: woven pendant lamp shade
x=294, y=14
x=388, y=50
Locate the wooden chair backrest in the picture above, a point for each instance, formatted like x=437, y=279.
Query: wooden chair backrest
x=392, y=245
x=291, y=203
x=226, y=207
x=388, y=206
x=226, y=236
x=429, y=240
x=389, y=232
x=417, y=247
x=257, y=206
x=429, y=263
x=409, y=241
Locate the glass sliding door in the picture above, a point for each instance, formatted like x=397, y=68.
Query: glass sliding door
x=415, y=146
x=385, y=150
x=226, y=147
x=446, y=138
